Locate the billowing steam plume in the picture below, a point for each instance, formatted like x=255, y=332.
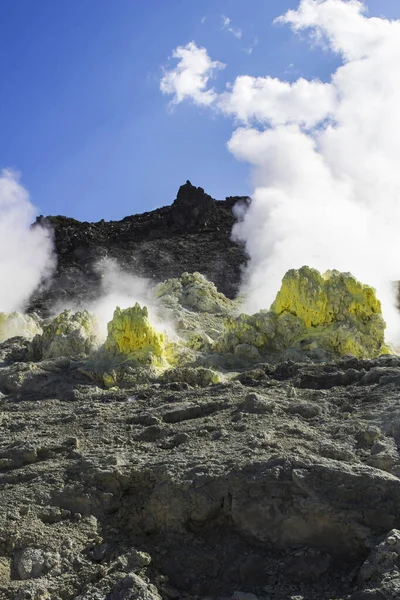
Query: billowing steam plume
x=26, y=255
x=325, y=156
x=120, y=288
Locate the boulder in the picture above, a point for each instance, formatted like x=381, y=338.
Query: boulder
x=69, y=334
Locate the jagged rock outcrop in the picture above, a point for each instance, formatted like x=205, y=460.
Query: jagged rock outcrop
x=193, y=209
x=194, y=234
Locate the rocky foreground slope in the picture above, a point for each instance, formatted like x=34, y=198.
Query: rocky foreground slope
x=282, y=484
x=244, y=458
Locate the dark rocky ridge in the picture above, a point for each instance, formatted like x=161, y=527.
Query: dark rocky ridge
x=193, y=234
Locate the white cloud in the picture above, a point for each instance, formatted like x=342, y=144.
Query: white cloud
x=269, y=100
x=325, y=157
x=251, y=47
x=25, y=254
x=189, y=78
x=341, y=24
x=226, y=24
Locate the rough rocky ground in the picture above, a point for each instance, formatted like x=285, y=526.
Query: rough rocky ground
x=193, y=234
x=281, y=484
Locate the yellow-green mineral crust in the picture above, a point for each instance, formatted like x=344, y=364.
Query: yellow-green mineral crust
x=196, y=310
x=131, y=334
x=69, y=334
x=256, y=330
x=333, y=311
x=194, y=291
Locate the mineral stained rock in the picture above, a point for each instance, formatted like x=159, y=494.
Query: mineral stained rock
x=192, y=376
x=314, y=316
x=131, y=334
x=196, y=310
x=334, y=311
x=312, y=313
x=194, y=291
x=69, y=334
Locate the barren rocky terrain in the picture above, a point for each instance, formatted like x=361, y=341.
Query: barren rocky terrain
x=277, y=480
x=281, y=484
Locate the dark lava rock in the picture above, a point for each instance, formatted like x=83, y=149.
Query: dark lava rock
x=194, y=234
x=193, y=209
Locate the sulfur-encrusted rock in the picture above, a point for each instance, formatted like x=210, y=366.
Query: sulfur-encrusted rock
x=17, y=324
x=70, y=334
x=131, y=334
x=194, y=291
x=256, y=330
x=196, y=310
x=332, y=313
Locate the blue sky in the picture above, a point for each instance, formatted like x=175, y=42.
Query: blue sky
x=81, y=114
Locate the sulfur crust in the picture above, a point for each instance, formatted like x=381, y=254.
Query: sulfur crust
x=333, y=312
x=130, y=333
x=314, y=315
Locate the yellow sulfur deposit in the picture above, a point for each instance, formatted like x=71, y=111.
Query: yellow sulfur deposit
x=333, y=311
x=323, y=299
x=130, y=333
x=303, y=294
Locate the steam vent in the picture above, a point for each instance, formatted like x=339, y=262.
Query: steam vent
x=160, y=442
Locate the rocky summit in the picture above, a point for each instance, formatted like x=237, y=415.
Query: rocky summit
x=193, y=451
x=193, y=234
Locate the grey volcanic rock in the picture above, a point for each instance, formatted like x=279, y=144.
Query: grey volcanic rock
x=266, y=487
x=194, y=234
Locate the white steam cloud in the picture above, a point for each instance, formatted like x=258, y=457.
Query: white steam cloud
x=120, y=288
x=26, y=255
x=325, y=157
